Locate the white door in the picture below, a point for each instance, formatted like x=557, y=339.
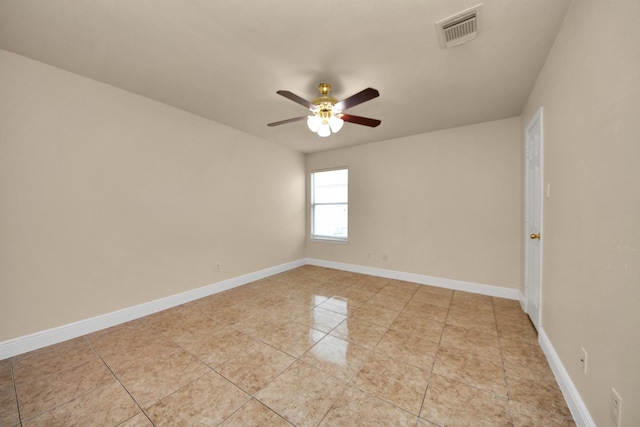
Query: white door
x=533, y=218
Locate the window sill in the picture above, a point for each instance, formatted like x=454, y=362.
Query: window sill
x=328, y=239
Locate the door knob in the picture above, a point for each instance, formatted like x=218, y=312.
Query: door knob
x=535, y=236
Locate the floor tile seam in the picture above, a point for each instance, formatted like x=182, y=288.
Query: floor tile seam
x=488, y=389
x=150, y=326
x=510, y=411
x=140, y=365
x=379, y=325
x=482, y=390
x=135, y=415
x=316, y=329
x=470, y=347
x=428, y=371
x=543, y=379
x=178, y=349
x=392, y=295
x=152, y=373
x=358, y=344
x=430, y=304
x=15, y=392
x=155, y=402
x=289, y=354
x=391, y=309
x=424, y=397
x=382, y=353
x=387, y=401
x=21, y=384
x=255, y=344
x=442, y=322
x=54, y=349
x=543, y=373
x=433, y=423
x=66, y=367
x=101, y=334
x=266, y=404
x=433, y=364
x=74, y=398
x=333, y=403
x=435, y=357
x=504, y=369
x=251, y=394
x=296, y=359
x=440, y=346
x=335, y=400
x=242, y=406
x=128, y=392
x=350, y=380
x=479, y=355
x=107, y=351
x=195, y=356
x=272, y=409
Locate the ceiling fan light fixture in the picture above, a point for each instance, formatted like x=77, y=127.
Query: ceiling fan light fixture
x=324, y=130
x=326, y=112
x=335, y=124
x=313, y=123
x=324, y=118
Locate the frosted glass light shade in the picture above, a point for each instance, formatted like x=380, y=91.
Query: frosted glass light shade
x=324, y=130
x=313, y=123
x=335, y=124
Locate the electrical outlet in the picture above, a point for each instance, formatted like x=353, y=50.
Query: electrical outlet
x=615, y=408
x=385, y=257
x=583, y=360
x=217, y=267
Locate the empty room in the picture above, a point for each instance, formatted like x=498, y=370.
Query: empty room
x=301, y=213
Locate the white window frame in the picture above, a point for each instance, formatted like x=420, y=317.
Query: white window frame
x=320, y=237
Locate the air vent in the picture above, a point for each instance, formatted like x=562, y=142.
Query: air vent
x=459, y=28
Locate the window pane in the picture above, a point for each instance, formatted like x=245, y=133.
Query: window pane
x=330, y=220
x=331, y=186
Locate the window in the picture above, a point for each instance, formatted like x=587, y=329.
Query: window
x=330, y=204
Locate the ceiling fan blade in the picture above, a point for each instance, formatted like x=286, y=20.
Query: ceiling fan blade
x=361, y=120
x=295, y=98
x=284, y=122
x=358, y=98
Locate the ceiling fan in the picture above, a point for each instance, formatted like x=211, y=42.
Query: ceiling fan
x=327, y=112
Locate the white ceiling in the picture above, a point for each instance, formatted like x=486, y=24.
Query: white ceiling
x=225, y=59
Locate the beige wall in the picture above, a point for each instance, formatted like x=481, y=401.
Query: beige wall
x=590, y=91
x=108, y=199
x=446, y=204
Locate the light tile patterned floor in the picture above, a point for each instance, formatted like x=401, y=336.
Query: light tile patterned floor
x=308, y=347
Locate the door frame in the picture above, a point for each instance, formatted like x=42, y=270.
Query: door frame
x=536, y=120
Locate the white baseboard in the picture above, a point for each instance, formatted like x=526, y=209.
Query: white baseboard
x=56, y=335
x=59, y=334
x=458, y=285
x=577, y=407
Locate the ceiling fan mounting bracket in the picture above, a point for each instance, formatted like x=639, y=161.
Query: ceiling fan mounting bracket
x=324, y=101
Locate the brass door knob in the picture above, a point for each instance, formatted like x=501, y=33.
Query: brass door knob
x=535, y=236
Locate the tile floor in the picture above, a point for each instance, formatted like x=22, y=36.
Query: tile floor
x=308, y=347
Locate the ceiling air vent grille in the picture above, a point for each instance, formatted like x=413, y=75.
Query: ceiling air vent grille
x=459, y=28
